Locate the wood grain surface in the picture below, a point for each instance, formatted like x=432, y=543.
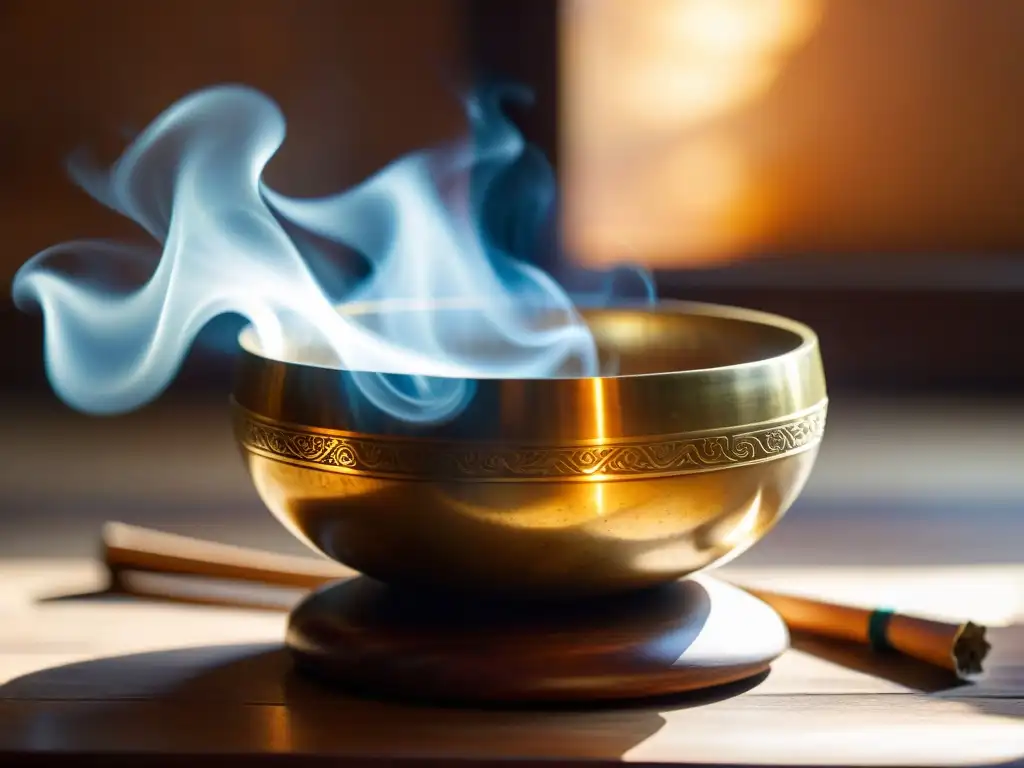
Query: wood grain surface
x=87, y=675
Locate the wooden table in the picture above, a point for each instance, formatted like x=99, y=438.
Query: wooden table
x=126, y=681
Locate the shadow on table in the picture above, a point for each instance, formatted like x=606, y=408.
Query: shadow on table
x=247, y=699
x=902, y=670
x=243, y=701
x=132, y=586
x=997, y=692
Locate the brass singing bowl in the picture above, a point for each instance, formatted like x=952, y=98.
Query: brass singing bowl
x=550, y=487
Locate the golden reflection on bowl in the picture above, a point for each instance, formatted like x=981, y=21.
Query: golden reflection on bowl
x=551, y=487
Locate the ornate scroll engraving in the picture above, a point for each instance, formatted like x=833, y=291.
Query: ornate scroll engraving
x=668, y=455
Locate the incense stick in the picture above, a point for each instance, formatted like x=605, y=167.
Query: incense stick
x=959, y=648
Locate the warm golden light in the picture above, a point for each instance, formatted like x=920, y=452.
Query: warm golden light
x=850, y=127
x=599, y=428
x=278, y=729
x=649, y=166
x=599, y=414
x=687, y=60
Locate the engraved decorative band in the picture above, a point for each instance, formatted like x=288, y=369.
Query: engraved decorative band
x=428, y=459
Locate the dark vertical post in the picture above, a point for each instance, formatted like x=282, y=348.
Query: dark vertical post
x=517, y=40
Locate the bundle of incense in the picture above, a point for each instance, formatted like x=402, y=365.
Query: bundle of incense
x=960, y=648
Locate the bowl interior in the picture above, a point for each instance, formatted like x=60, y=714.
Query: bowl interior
x=630, y=341
x=650, y=342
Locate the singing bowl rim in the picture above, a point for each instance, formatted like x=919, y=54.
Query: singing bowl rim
x=808, y=339
x=748, y=393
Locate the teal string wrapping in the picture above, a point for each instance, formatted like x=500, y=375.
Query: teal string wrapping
x=878, y=629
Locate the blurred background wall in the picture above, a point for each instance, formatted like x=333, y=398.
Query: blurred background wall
x=696, y=131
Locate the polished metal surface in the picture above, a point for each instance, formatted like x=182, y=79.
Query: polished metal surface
x=548, y=487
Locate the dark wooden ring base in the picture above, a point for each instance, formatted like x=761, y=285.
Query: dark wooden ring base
x=692, y=634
